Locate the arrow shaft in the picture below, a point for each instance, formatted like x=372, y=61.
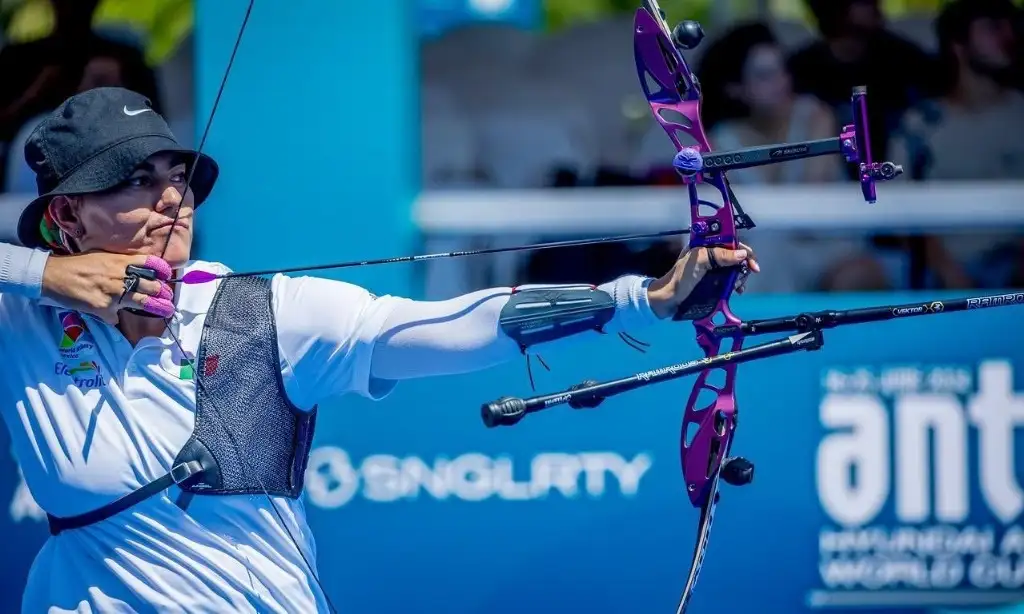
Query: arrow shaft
x=453, y=254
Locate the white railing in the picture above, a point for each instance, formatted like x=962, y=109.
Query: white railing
x=484, y=218
x=934, y=206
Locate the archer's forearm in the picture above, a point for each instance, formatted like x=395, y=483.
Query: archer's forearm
x=21, y=270
x=463, y=334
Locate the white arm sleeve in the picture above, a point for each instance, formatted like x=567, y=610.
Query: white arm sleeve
x=422, y=339
x=336, y=338
x=21, y=270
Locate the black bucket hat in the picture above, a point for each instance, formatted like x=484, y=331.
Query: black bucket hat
x=93, y=142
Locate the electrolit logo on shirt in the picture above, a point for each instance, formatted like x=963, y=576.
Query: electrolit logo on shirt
x=333, y=479
x=85, y=375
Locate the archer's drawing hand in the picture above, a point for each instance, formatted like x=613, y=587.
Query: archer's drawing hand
x=669, y=291
x=94, y=283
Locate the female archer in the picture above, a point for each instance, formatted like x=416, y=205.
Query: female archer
x=144, y=413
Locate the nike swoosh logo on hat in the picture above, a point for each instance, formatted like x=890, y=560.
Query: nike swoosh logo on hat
x=134, y=111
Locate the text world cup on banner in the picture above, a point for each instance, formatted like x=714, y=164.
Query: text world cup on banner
x=919, y=479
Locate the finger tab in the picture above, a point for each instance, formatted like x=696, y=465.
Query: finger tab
x=159, y=266
x=158, y=306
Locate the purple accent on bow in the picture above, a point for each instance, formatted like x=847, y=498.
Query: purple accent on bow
x=860, y=126
x=675, y=98
x=674, y=95
x=688, y=161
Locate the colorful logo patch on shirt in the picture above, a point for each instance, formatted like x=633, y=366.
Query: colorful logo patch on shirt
x=74, y=328
x=74, y=343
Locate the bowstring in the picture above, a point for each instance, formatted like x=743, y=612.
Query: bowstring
x=177, y=342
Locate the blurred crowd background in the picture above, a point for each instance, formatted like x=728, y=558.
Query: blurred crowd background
x=508, y=108
x=544, y=96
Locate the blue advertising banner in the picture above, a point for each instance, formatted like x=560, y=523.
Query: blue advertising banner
x=888, y=479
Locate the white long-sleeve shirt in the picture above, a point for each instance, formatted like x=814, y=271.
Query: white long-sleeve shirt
x=91, y=418
x=21, y=270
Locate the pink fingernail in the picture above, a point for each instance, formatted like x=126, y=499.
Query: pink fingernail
x=158, y=306
x=159, y=266
x=742, y=253
x=165, y=292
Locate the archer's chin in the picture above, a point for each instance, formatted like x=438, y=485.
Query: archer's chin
x=179, y=250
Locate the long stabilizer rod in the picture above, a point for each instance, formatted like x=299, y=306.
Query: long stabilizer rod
x=819, y=320
x=507, y=411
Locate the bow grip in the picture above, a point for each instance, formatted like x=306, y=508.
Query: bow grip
x=712, y=289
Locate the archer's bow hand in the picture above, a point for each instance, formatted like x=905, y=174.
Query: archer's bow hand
x=669, y=291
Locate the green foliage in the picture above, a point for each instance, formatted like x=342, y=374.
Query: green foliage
x=163, y=23
x=562, y=13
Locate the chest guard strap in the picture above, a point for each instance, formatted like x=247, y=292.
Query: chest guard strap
x=181, y=475
x=538, y=314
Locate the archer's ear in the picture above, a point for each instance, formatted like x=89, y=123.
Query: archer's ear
x=65, y=212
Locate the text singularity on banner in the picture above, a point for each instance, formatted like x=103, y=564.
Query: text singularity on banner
x=333, y=479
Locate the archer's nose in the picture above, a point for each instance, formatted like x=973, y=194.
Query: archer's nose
x=170, y=199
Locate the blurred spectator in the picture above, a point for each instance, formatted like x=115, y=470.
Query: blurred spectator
x=749, y=101
x=857, y=49
x=977, y=112
x=39, y=75
x=99, y=71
